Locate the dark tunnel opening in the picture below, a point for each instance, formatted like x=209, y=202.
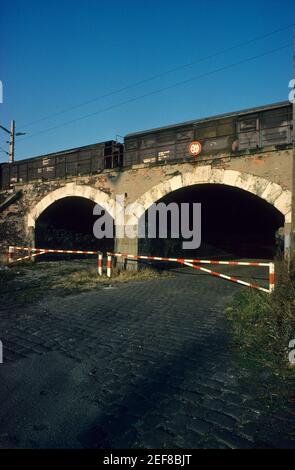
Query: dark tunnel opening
x=234, y=224
x=67, y=224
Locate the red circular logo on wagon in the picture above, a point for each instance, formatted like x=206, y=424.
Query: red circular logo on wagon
x=195, y=148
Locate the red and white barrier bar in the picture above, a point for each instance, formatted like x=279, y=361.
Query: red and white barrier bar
x=43, y=251
x=191, y=263
x=228, y=278
x=11, y=258
x=99, y=264
x=10, y=254
x=109, y=265
x=46, y=250
x=271, y=277
x=185, y=260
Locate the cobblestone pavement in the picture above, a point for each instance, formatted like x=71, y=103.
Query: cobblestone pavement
x=139, y=365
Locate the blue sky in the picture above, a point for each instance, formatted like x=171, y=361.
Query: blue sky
x=58, y=54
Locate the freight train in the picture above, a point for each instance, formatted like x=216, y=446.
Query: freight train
x=231, y=134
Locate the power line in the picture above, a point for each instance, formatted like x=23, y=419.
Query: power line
x=3, y=156
x=3, y=150
x=154, y=77
x=160, y=90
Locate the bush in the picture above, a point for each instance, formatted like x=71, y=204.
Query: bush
x=264, y=324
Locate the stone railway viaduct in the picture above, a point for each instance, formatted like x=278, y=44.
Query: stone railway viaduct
x=264, y=171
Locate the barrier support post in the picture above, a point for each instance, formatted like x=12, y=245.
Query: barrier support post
x=99, y=263
x=109, y=266
x=271, y=277
x=10, y=254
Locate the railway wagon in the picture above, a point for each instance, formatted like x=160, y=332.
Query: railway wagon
x=234, y=133
x=231, y=134
x=90, y=159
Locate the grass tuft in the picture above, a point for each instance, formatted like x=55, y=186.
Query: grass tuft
x=30, y=282
x=88, y=279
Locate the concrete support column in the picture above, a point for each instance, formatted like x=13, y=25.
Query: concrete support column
x=31, y=240
x=127, y=245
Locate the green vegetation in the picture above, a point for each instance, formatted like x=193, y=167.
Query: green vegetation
x=29, y=282
x=88, y=279
x=262, y=326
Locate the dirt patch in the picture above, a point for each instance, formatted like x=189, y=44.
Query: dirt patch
x=24, y=284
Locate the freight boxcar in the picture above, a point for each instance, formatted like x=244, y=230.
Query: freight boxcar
x=231, y=134
x=235, y=133
x=87, y=160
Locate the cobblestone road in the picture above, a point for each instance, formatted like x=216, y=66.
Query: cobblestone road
x=139, y=365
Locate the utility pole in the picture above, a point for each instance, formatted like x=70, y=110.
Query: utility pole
x=11, y=141
x=12, y=135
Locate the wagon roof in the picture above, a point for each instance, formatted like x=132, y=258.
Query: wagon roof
x=211, y=118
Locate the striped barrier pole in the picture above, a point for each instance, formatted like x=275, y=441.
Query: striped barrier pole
x=199, y=261
x=99, y=264
x=79, y=252
x=28, y=256
x=188, y=262
x=33, y=252
x=109, y=265
x=153, y=258
x=271, y=277
x=10, y=254
x=228, y=278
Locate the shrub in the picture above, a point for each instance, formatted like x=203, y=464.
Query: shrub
x=264, y=324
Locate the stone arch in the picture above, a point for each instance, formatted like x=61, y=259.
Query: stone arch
x=271, y=192
x=70, y=190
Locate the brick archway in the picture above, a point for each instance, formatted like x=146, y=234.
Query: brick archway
x=70, y=190
x=271, y=192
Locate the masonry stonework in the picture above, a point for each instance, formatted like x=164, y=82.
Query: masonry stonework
x=266, y=174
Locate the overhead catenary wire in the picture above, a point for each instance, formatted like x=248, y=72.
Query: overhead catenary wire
x=159, y=75
x=159, y=90
x=4, y=153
